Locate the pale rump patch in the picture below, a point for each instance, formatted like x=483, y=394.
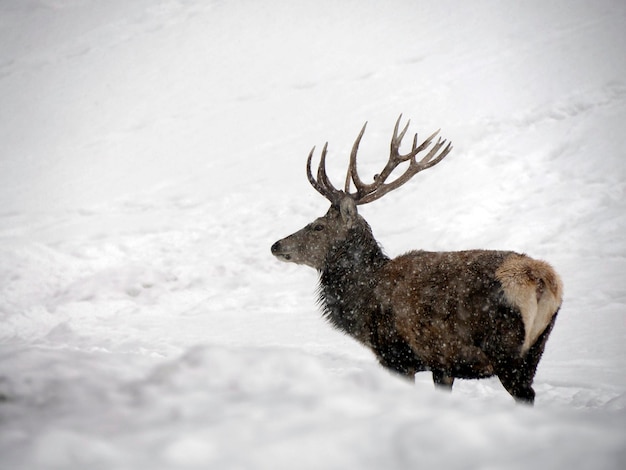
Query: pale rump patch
x=533, y=287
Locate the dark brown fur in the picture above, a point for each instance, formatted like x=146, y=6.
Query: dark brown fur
x=456, y=314
x=452, y=310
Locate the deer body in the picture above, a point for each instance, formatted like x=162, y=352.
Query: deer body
x=468, y=314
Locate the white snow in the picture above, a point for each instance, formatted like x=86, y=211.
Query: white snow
x=153, y=150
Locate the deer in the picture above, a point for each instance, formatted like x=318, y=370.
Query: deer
x=458, y=314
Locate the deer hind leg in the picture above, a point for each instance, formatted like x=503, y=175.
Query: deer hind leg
x=516, y=384
x=518, y=377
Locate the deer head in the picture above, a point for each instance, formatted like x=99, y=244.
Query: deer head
x=311, y=245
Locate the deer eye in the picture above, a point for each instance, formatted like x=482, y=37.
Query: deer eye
x=318, y=227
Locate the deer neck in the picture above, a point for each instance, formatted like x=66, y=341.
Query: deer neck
x=347, y=282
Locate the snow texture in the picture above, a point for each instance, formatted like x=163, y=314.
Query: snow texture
x=153, y=150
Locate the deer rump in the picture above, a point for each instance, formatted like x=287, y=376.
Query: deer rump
x=469, y=314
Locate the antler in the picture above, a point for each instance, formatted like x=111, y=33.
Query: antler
x=323, y=185
x=370, y=192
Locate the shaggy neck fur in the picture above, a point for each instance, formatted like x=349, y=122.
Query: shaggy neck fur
x=347, y=282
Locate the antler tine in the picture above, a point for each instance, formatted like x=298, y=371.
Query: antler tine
x=318, y=187
x=396, y=140
x=322, y=177
x=426, y=162
x=352, y=173
x=424, y=144
x=322, y=185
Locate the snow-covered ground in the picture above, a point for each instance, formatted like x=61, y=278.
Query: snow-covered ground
x=152, y=151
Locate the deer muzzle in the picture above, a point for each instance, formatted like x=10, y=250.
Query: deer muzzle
x=279, y=251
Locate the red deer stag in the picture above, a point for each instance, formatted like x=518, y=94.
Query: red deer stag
x=467, y=314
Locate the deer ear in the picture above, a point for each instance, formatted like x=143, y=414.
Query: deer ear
x=347, y=208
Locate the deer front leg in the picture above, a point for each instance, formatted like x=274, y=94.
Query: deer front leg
x=442, y=380
x=397, y=364
x=399, y=358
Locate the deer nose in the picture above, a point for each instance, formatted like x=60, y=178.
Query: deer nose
x=276, y=248
x=279, y=252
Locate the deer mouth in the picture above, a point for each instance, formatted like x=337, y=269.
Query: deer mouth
x=279, y=253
